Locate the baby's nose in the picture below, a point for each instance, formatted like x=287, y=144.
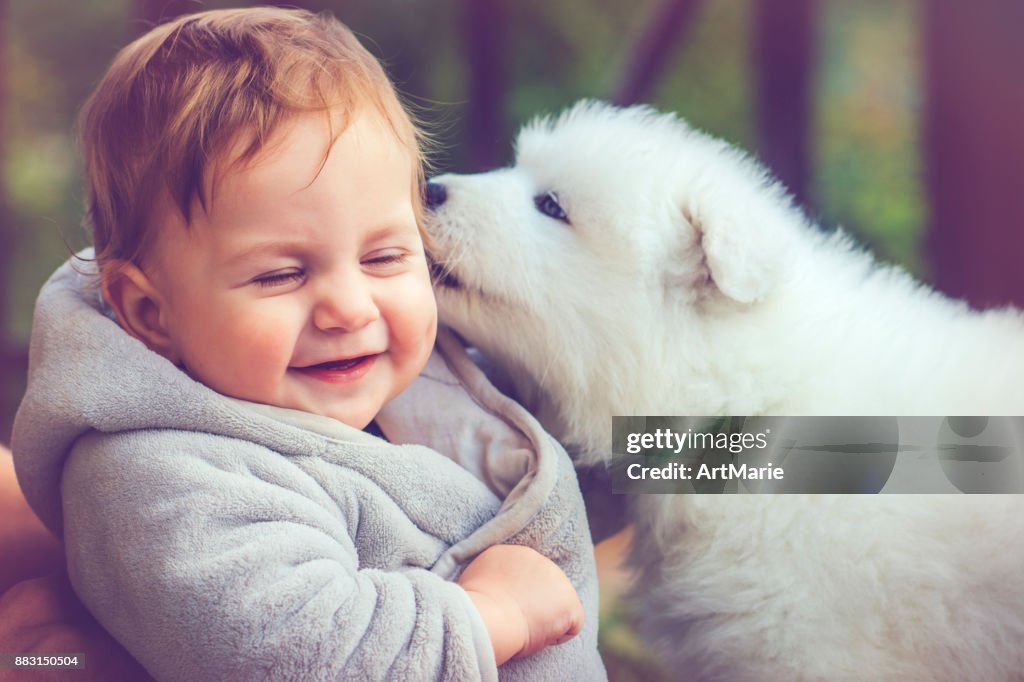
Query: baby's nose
x=348, y=309
x=436, y=194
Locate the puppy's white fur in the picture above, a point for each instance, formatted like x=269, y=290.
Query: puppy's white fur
x=685, y=282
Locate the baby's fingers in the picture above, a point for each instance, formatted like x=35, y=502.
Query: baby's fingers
x=557, y=630
x=567, y=636
x=574, y=623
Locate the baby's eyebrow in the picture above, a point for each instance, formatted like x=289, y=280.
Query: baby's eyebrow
x=269, y=248
x=389, y=229
x=397, y=225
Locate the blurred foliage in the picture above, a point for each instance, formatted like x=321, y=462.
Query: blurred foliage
x=869, y=165
x=56, y=51
x=711, y=85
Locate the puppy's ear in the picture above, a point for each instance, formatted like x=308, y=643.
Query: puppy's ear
x=743, y=223
x=742, y=266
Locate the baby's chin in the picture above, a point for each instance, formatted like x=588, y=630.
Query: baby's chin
x=358, y=417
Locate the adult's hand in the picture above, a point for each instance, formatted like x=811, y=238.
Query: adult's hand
x=27, y=548
x=42, y=615
x=39, y=612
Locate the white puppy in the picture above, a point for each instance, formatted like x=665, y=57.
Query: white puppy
x=629, y=265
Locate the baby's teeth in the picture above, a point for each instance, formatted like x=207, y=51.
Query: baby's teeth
x=340, y=364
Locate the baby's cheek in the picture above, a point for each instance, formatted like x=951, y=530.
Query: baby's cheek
x=263, y=347
x=267, y=354
x=423, y=316
x=413, y=322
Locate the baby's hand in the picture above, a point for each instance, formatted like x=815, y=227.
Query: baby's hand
x=526, y=601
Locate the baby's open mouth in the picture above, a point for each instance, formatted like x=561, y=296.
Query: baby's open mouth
x=337, y=365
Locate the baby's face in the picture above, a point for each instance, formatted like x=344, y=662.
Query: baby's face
x=304, y=290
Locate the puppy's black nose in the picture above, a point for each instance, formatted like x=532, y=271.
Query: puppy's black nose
x=436, y=195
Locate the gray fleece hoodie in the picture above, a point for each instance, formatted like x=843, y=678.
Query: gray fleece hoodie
x=218, y=539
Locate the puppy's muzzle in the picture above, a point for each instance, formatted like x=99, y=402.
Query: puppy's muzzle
x=436, y=194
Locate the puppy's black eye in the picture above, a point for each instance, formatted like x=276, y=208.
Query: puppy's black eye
x=548, y=205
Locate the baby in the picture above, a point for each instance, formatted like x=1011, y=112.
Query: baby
x=253, y=191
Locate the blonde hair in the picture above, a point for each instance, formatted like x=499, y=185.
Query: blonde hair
x=173, y=102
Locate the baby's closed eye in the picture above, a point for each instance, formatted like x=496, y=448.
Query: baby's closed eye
x=279, y=278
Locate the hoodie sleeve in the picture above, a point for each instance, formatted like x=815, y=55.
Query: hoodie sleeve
x=235, y=564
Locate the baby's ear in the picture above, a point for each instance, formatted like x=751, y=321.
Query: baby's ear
x=139, y=306
x=744, y=223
